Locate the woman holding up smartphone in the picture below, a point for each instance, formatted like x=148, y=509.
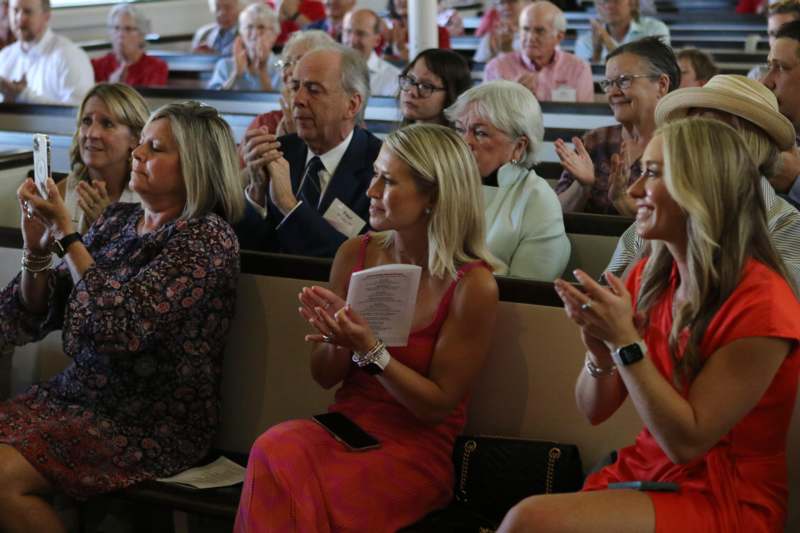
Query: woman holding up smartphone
x=703, y=338
x=110, y=120
x=144, y=301
x=427, y=206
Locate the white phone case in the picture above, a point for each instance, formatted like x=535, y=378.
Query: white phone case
x=41, y=162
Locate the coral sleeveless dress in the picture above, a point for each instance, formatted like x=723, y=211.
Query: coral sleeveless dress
x=299, y=478
x=740, y=484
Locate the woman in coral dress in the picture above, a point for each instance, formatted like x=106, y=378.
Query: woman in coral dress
x=710, y=362
x=426, y=200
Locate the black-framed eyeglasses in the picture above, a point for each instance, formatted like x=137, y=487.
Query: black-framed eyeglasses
x=424, y=89
x=622, y=82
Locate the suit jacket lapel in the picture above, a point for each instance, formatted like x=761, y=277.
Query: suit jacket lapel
x=345, y=181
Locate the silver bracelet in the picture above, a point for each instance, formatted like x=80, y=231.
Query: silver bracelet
x=370, y=356
x=36, y=264
x=596, y=371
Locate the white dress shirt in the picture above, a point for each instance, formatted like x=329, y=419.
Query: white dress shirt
x=56, y=70
x=382, y=76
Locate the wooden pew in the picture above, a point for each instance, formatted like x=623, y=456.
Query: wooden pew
x=525, y=390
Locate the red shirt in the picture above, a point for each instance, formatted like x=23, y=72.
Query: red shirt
x=147, y=71
x=740, y=483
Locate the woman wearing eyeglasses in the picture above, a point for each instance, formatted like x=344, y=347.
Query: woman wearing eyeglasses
x=431, y=83
x=599, y=170
x=502, y=124
x=252, y=66
x=128, y=63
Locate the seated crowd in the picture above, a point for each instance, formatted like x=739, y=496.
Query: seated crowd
x=151, y=216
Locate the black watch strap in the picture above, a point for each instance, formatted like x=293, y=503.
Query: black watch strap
x=630, y=354
x=372, y=369
x=60, y=246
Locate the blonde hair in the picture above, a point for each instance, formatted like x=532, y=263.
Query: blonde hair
x=443, y=164
x=708, y=171
x=762, y=149
x=209, y=163
x=127, y=107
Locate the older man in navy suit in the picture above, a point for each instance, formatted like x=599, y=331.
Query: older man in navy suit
x=307, y=191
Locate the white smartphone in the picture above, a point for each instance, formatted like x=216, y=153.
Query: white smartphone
x=41, y=162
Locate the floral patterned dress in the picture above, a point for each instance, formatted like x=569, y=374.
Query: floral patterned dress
x=145, y=329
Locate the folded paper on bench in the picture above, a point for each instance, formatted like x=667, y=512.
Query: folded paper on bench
x=221, y=473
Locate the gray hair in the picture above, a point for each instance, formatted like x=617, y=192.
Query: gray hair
x=211, y=177
x=353, y=73
x=560, y=21
x=310, y=38
x=509, y=107
x=355, y=76
x=263, y=14
x=141, y=21
x=545, y=7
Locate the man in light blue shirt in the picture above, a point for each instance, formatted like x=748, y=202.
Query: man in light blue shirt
x=618, y=23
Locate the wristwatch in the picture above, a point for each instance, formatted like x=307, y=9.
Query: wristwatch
x=630, y=354
x=60, y=246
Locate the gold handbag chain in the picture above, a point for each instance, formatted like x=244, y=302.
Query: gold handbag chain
x=553, y=455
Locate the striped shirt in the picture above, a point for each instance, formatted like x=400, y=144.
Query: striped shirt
x=783, y=222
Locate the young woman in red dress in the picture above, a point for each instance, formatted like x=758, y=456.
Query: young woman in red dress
x=427, y=204
x=702, y=338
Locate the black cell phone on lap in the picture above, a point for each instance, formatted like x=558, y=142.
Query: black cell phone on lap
x=347, y=432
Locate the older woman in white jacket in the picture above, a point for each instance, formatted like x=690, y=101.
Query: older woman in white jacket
x=501, y=121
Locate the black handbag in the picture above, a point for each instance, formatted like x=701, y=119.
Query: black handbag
x=495, y=473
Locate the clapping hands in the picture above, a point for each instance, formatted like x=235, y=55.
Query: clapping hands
x=92, y=199
x=336, y=322
x=605, y=315
x=577, y=162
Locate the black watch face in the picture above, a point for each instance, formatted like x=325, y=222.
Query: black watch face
x=630, y=354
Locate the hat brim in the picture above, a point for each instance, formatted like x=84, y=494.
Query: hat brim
x=677, y=104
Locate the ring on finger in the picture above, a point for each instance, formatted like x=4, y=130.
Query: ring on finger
x=587, y=305
x=327, y=339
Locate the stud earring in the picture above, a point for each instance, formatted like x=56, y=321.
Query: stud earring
x=514, y=161
x=427, y=210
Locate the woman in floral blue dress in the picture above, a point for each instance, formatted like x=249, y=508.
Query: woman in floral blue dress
x=144, y=301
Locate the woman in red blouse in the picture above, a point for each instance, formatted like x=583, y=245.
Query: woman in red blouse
x=703, y=339
x=128, y=63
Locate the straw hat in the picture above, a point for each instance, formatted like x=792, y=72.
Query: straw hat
x=734, y=94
